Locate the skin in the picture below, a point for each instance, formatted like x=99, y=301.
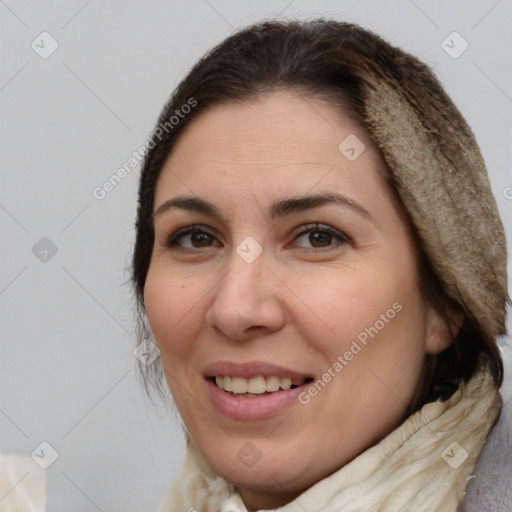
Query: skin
x=300, y=304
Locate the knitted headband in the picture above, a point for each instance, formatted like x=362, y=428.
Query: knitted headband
x=442, y=181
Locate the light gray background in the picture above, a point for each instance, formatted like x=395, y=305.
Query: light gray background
x=67, y=372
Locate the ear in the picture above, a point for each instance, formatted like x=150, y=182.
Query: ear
x=441, y=329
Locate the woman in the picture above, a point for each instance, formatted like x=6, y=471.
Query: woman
x=322, y=265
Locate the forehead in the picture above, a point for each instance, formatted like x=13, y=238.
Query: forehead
x=280, y=123
x=278, y=140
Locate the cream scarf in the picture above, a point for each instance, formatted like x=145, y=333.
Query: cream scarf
x=423, y=465
x=22, y=484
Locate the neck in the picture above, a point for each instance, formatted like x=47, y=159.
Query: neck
x=258, y=500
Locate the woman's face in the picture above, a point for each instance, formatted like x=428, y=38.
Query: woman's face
x=293, y=262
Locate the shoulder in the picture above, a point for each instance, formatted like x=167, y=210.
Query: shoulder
x=490, y=489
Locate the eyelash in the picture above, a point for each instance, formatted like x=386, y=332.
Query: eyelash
x=172, y=241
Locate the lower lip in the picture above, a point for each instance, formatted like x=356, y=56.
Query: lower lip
x=252, y=408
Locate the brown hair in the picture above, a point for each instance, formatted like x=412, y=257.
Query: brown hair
x=338, y=62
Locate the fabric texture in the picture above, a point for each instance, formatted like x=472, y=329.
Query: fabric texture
x=423, y=465
x=442, y=181
x=22, y=485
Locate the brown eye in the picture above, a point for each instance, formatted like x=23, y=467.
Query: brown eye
x=200, y=239
x=320, y=237
x=191, y=238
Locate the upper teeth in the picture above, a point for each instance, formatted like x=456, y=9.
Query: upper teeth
x=256, y=385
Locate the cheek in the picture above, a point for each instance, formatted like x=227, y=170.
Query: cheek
x=172, y=309
x=371, y=341
x=340, y=310
x=373, y=315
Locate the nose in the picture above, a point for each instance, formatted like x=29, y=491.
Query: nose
x=247, y=301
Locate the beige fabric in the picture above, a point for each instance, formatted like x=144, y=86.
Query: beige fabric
x=415, y=468
x=442, y=180
x=22, y=485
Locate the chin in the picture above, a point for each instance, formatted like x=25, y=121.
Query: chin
x=251, y=468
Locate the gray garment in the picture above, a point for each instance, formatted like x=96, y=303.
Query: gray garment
x=491, y=488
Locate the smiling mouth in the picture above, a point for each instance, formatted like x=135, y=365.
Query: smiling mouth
x=256, y=387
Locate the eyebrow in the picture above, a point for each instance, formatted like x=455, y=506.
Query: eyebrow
x=278, y=209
